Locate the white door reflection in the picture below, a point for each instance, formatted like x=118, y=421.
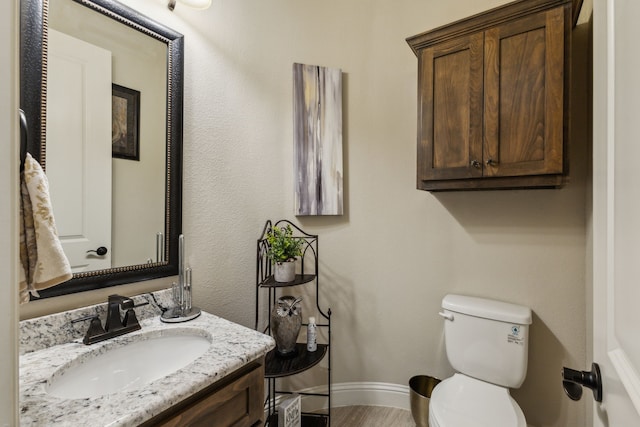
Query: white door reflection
x=79, y=162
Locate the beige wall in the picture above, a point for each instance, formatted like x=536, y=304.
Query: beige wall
x=387, y=263
x=9, y=137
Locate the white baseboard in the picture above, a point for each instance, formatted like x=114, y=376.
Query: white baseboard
x=358, y=393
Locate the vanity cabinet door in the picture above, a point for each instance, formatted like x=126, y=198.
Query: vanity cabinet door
x=236, y=402
x=450, y=120
x=523, y=104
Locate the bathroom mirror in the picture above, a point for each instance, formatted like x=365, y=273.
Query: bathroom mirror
x=97, y=70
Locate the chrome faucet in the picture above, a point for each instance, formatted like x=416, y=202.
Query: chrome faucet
x=114, y=325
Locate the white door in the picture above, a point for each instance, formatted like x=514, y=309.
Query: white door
x=79, y=148
x=616, y=211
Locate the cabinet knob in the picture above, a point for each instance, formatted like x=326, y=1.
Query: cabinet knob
x=491, y=162
x=475, y=164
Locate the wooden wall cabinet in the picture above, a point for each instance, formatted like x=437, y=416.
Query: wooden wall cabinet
x=235, y=401
x=493, y=99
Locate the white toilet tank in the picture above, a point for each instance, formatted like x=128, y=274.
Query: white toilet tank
x=487, y=339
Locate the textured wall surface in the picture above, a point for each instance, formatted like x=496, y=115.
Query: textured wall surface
x=9, y=184
x=389, y=260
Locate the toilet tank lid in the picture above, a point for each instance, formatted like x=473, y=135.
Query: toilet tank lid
x=487, y=309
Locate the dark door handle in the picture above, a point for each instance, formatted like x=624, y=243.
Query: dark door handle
x=573, y=381
x=100, y=251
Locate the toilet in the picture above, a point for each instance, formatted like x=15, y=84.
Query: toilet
x=487, y=344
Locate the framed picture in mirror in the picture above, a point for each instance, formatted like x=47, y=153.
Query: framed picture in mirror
x=125, y=132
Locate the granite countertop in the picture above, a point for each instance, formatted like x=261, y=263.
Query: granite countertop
x=50, y=342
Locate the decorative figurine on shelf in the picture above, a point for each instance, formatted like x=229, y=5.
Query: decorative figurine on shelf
x=286, y=320
x=283, y=251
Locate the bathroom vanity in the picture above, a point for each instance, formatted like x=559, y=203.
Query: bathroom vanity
x=220, y=385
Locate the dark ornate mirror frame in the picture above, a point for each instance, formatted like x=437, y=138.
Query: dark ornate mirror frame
x=33, y=68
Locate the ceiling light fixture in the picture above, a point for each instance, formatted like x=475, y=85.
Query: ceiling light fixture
x=195, y=4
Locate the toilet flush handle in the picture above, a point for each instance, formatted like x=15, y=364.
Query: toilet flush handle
x=447, y=316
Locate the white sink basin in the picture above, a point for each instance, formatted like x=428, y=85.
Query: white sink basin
x=125, y=367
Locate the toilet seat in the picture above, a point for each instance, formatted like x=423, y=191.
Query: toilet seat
x=462, y=401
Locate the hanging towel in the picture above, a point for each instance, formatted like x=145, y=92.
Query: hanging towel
x=43, y=260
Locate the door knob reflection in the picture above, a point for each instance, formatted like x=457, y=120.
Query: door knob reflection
x=100, y=251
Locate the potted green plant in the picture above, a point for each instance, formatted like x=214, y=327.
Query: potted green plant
x=283, y=252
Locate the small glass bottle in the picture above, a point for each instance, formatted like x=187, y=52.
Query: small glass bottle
x=312, y=344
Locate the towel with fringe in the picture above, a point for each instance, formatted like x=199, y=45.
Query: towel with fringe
x=44, y=263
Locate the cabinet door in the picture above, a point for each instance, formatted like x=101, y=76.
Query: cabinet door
x=523, y=99
x=450, y=110
x=237, y=403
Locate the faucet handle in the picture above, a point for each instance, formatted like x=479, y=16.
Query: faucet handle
x=95, y=329
x=84, y=318
x=130, y=320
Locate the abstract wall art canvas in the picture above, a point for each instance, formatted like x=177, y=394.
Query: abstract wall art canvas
x=317, y=135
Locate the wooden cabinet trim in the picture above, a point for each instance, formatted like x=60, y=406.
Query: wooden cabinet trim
x=503, y=183
x=577, y=5
x=481, y=22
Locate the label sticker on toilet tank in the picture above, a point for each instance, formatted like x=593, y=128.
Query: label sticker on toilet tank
x=515, y=335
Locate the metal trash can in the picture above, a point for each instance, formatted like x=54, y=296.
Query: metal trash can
x=421, y=387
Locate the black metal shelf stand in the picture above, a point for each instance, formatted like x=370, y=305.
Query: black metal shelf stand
x=278, y=367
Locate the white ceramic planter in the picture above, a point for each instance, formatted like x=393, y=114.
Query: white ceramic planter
x=285, y=271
